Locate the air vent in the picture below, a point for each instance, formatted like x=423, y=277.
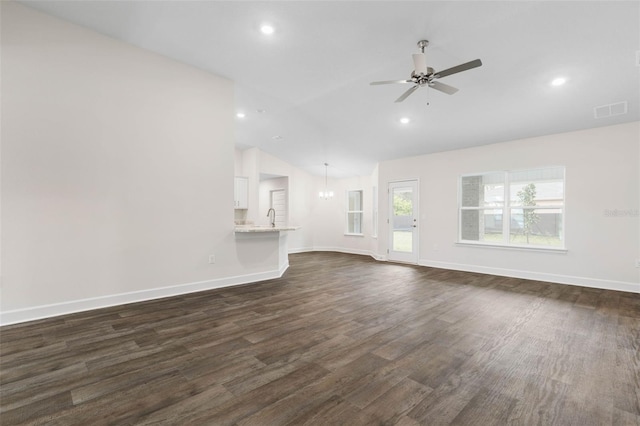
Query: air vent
x=610, y=110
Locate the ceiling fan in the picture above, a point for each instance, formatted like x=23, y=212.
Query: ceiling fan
x=424, y=76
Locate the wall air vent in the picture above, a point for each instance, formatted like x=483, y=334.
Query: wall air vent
x=610, y=110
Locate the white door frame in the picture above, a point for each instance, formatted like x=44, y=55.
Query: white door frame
x=405, y=256
x=281, y=213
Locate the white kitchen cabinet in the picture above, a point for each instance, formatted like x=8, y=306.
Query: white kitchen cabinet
x=241, y=192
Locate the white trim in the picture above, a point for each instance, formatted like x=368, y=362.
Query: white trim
x=371, y=253
x=379, y=257
x=301, y=250
x=513, y=273
x=64, y=308
x=512, y=247
x=405, y=257
x=537, y=276
x=374, y=211
x=344, y=250
x=507, y=206
x=347, y=212
x=53, y=310
x=340, y=250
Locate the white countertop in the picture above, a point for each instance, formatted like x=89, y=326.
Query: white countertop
x=262, y=228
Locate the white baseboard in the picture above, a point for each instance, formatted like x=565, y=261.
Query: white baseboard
x=344, y=250
x=338, y=250
x=54, y=310
x=513, y=273
x=537, y=276
x=300, y=250
x=379, y=257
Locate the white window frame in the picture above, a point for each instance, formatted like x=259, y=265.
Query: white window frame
x=506, y=213
x=374, y=211
x=360, y=212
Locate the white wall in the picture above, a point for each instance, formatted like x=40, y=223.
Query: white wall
x=117, y=184
x=330, y=217
x=237, y=157
x=301, y=187
x=601, y=174
x=117, y=179
x=322, y=221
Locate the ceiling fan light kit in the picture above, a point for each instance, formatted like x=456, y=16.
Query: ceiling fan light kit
x=424, y=76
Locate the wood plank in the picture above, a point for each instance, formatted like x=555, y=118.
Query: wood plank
x=339, y=339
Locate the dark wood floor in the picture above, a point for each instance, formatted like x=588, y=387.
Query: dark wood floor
x=340, y=339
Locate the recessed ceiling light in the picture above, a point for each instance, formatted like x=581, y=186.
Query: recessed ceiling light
x=240, y=115
x=558, y=81
x=267, y=29
x=404, y=120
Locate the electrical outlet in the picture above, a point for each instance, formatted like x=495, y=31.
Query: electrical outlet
x=212, y=258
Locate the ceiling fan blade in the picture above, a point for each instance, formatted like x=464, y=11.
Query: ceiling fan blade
x=449, y=90
x=390, y=82
x=406, y=94
x=419, y=63
x=459, y=68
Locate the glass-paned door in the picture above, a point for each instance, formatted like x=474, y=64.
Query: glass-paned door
x=403, y=221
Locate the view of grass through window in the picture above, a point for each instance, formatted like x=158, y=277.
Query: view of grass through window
x=402, y=220
x=520, y=208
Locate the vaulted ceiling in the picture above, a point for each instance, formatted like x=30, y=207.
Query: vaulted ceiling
x=305, y=88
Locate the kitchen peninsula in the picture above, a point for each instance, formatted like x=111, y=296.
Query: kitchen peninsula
x=268, y=243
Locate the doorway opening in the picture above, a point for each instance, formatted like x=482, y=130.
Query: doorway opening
x=403, y=221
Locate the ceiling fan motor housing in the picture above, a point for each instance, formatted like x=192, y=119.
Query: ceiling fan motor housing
x=422, y=79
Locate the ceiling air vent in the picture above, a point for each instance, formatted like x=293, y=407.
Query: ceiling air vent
x=610, y=110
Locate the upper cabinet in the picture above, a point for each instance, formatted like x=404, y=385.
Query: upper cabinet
x=241, y=192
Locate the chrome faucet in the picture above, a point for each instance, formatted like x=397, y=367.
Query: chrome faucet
x=273, y=220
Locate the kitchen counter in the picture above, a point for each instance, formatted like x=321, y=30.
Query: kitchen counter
x=262, y=228
x=265, y=242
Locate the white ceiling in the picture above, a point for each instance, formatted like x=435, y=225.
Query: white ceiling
x=312, y=75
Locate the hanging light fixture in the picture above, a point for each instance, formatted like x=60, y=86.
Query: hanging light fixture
x=326, y=194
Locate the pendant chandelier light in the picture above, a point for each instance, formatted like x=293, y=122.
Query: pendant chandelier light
x=326, y=194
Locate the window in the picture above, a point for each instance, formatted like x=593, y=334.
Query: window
x=354, y=213
x=517, y=208
x=374, y=211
